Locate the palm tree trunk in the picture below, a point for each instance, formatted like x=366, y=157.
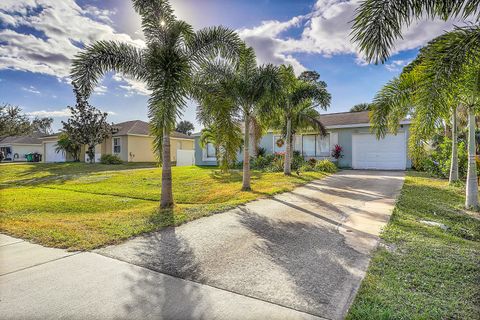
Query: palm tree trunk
x=246, y=156
x=166, y=199
x=454, y=161
x=471, y=200
x=287, y=170
x=253, y=142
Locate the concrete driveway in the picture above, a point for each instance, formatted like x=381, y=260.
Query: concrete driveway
x=307, y=250
x=299, y=255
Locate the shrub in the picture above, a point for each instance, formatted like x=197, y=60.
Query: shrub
x=297, y=160
x=261, y=152
x=438, y=160
x=110, y=159
x=325, y=166
x=337, y=152
x=306, y=168
x=312, y=162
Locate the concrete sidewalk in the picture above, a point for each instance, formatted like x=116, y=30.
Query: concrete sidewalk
x=44, y=283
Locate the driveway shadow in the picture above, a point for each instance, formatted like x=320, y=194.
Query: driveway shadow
x=321, y=268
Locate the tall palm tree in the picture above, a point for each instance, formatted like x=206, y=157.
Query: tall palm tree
x=173, y=53
x=242, y=88
x=445, y=74
x=378, y=23
x=296, y=105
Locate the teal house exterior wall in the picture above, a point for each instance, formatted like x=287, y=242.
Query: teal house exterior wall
x=340, y=136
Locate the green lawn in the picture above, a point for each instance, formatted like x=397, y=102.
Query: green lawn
x=81, y=206
x=423, y=272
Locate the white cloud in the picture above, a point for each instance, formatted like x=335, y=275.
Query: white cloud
x=326, y=31
x=100, y=90
x=61, y=27
x=31, y=89
x=62, y=113
x=50, y=113
x=396, y=65
x=131, y=86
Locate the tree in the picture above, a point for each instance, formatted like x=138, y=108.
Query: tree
x=174, y=53
x=241, y=88
x=42, y=125
x=66, y=146
x=185, y=127
x=445, y=74
x=296, y=105
x=361, y=107
x=226, y=136
x=87, y=125
x=378, y=23
x=12, y=121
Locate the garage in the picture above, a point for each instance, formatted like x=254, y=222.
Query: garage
x=388, y=153
x=51, y=155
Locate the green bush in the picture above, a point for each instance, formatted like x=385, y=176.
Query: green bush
x=312, y=162
x=438, y=160
x=306, y=168
x=110, y=159
x=326, y=166
x=297, y=160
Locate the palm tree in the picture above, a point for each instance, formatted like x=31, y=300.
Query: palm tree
x=445, y=74
x=223, y=130
x=241, y=88
x=361, y=107
x=296, y=106
x=378, y=23
x=173, y=53
x=65, y=145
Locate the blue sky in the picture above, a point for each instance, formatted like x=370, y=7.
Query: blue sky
x=38, y=38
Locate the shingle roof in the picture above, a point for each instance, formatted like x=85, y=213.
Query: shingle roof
x=345, y=118
x=30, y=139
x=142, y=128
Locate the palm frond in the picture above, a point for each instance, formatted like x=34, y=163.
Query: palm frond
x=156, y=15
x=209, y=43
x=378, y=23
x=91, y=64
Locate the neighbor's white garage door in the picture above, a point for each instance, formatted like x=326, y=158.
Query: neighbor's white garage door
x=51, y=155
x=387, y=154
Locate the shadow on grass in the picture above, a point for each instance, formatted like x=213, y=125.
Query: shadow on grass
x=62, y=172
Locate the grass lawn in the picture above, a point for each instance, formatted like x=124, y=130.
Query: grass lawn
x=81, y=206
x=423, y=272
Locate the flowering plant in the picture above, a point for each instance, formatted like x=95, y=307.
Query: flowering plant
x=337, y=152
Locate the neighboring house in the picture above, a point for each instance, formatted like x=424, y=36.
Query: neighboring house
x=15, y=148
x=130, y=140
x=350, y=130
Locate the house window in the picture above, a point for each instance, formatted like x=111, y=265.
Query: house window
x=309, y=145
x=316, y=145
x=116, y=145
x=323, y=145
x=210, y=150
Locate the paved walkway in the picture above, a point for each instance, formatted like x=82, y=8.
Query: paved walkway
x=296, y=256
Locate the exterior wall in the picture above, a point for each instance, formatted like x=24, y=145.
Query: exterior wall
x=345, y=141
x=342, y=137
x=23, y=149
x=199, y=158
x=141, y=148
x=179, y=144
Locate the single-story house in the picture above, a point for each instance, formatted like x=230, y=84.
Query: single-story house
x=130, y=140
x=350, y=130
x=15, y=148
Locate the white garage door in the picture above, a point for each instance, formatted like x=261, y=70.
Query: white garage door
x=51, y=155
x=387, y=154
